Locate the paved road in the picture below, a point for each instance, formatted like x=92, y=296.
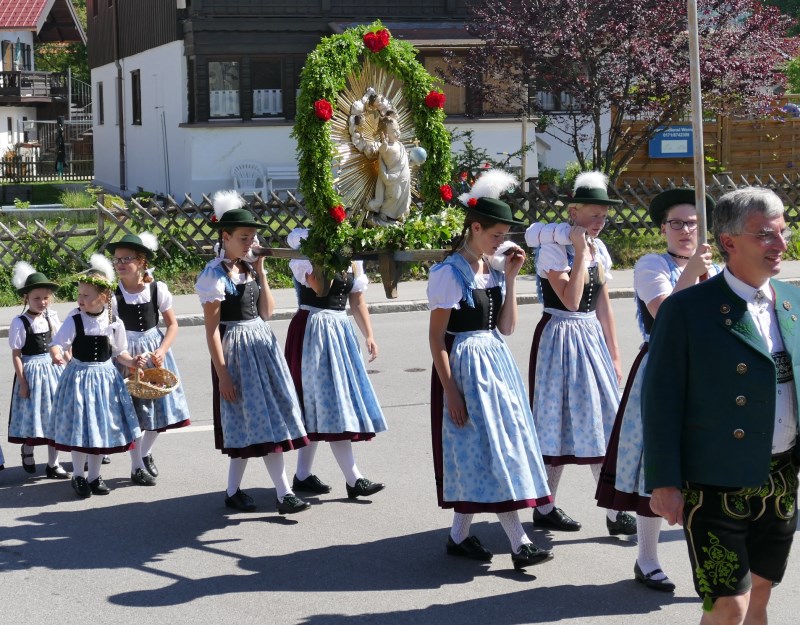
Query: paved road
x=174, y=554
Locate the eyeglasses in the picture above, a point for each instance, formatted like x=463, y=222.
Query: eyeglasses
x=680, y=224
x=768, y=237
x=125, y=260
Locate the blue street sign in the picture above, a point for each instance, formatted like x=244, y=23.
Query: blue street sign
x=672, y=142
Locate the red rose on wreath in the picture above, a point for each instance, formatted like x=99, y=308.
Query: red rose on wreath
x=376, y=41
x=446, y=192
x=472, y=202
x=435, y=100
x=337, y=212
x=323, y=110
x=214, y=218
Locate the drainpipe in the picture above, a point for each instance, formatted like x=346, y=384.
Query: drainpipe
x=120, y=104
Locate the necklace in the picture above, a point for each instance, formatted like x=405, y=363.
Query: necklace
x=97, y=314
x=674, y=255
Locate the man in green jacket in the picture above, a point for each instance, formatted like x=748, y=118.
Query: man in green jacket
x=720, y=414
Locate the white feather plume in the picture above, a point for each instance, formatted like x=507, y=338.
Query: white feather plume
x=21, y=272
x=225, y=201
x=100, y=263
x=492, y=183
x=149, y=240
x=591, y=180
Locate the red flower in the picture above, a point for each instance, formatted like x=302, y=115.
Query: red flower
x=435, y=100
x=376, y=41
x=337, y=212
x=463, y=176
x=472, y=202
x=323, y=110
x=214, y=218
x=486, y=165
x=446, y=192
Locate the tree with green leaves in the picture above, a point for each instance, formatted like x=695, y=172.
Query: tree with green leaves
x=58, y=57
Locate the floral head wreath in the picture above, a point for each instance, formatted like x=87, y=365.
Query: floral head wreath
x=99, y=274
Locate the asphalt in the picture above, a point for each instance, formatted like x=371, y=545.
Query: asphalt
x=411, y=296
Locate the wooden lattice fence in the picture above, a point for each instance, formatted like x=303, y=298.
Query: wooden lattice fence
x=184, y=227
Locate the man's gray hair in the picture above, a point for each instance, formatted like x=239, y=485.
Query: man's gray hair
x=734, y=208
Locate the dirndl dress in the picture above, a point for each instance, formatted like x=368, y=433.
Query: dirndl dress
x=265, y=417
x=493, y=462
x=573, y=385
x=30, y=417
x=92, y=409
x=338, y=399
x=140, y=313
x=621, y=484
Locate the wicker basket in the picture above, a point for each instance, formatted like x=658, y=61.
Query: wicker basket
x=152, y=383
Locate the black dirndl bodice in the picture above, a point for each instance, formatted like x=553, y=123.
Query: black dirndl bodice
x=35, y=342
x=138, y=317
x=89, y=348
x=483, y=316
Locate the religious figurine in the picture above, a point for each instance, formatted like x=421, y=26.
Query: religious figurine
x=392, y=199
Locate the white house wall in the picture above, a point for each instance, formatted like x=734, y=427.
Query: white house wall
x=15, y=113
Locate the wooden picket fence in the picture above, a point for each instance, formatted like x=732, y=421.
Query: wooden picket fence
x=183, y=228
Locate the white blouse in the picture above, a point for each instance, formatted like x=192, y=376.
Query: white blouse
x=302, y=267
x=16, y=332
x=210, y=285
x=553, y=257
x=444, y=290
x=163, y=296
x=93, y=326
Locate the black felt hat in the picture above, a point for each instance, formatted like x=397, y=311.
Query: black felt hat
x=590, y=188
x=132, y=242
x=37, y=280
x=660, y=204
x=237, y=218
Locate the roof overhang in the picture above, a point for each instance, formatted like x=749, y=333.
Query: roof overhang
x=56, y=21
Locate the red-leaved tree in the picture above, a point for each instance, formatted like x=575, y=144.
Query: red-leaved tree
x=628, y=59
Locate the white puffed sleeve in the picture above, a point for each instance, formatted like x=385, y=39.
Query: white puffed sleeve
x=118, y=338
x=300, y=267
x=210, y=285
x=552, y=257
x=16, y=333
x=360, y=278
x=651, y=278
x=444, y=290
x=164, y=297
x=66, y=333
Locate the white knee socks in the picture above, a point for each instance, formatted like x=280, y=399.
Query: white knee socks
x=553, y=478
x=135, y=453
x=305, y=460
x=277, y=472
x=343, y=452
x=513, y=529
x=148, y=440
x=78, y=462
x=236, y=468
x=460, y=529
x=52, y=457
x=647, y=531
x=94, y=460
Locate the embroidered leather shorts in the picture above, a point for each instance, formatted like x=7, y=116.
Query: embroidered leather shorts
x=733, y=532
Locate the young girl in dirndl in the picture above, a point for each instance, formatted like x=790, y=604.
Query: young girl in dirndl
x=35, y=375
x=138, y=301
x=338, y=400
x=256, y=411
x=486, y=455
x=93, y=414
x=575, y=368
x=655, y=277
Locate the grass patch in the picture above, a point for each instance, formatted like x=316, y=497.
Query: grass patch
x=75, y=199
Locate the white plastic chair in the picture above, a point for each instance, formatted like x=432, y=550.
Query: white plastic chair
x=249, y=178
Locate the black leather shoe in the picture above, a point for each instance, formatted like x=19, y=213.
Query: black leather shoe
x=99, y=487
x=529, y=555
x=556, y=519
x=292, y=504
x=142, y=478
x=312, y=484
x=29, y=468
x=470, y=548
x=106, y=460
x=364, y=488
x=625, y=525
x=664, y=585
x=81, y=487
x=150, y=465
x=240, y=500
x=56, y=473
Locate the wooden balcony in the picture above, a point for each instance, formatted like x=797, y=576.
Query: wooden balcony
x=32, y=87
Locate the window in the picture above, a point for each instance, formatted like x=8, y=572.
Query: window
x=266, y=79
x=553, y=102
x=223, y=89
x=456, y=102
x=10, y=122
x=94, y=7
x=136, y=98
x=101, y=114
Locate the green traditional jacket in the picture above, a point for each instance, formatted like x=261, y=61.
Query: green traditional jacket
x=708, y=397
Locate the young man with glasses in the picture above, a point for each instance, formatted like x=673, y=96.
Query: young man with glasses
x=720, y=416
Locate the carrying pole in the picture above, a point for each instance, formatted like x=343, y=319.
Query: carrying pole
x=697, y=124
